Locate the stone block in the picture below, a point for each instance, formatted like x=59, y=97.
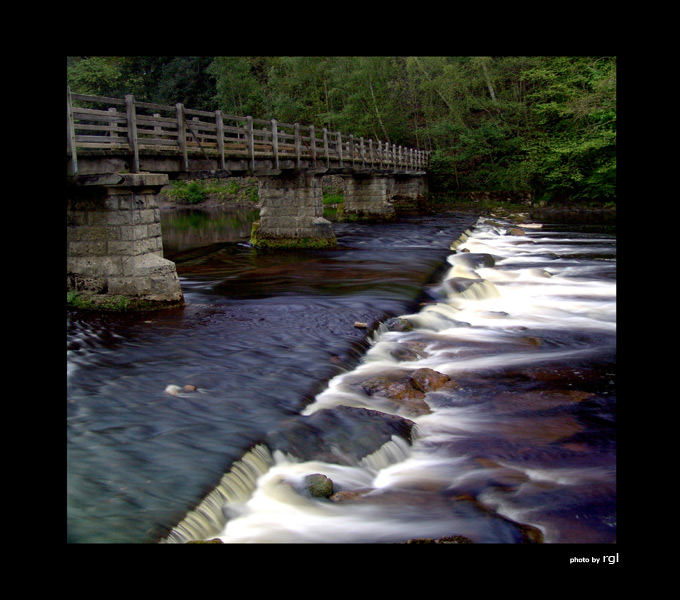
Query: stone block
x=87, y=248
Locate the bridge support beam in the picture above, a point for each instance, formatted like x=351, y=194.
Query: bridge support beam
x=291, y=212
x=114, y=244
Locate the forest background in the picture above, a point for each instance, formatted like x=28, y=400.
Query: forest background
x=539, y=125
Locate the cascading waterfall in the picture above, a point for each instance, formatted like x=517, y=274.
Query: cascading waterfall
x=514, y=325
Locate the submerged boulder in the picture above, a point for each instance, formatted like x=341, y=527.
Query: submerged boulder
x=451, y=539
x=473, y=260
x=427, y=380
x=341, y=435
x=399, y=324
x=407, y=392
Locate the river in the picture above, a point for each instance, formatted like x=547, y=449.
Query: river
x=523, y=435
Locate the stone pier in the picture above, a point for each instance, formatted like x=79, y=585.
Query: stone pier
x=409, y=191
x=291, y=212
x=114, y=244
x=368, y=196
x=377, y=196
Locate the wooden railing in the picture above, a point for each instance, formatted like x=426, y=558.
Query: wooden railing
x=132, y=126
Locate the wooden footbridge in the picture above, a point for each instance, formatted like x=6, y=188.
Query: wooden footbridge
x=121, y=152
x=106, y=135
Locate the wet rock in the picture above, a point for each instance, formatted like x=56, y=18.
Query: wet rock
x=404, y=354
x=483, y=523
x=452, y=539
x=427, y=380
x=408, y=350
x=398, y=324
x=529, y=534
x=175, y=390
x=515, y=231
x=318, y=485
x=408, y=392
x=211, y=541
x=348, y=496
x=341, y=435
x=402, y=393
x=474, y=260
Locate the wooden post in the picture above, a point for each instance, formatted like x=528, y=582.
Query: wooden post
x=380, y=153
x=325, y=147
x=361, y=151
x=132, y=131
x=70, y=133
x=370, y=150
x=312, y=142
x=220, y=137
x=297, y=145
x=156, y=128
x=275, y=143
x=251, y=141
x=113, y=124
x=182, y=135
x=340, y=148
x=351, y=146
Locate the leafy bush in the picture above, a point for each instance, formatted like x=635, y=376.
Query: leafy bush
x=187, y=192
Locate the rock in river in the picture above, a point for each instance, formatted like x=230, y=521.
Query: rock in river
x=341, y=435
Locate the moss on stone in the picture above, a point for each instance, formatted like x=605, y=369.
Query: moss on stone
x=293, y=243
x=114, y=302
x=343, y=215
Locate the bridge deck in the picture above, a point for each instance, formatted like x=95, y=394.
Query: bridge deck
x=126, y=134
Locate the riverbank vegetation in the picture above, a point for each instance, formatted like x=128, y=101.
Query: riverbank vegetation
x=542, y=126
x=239, y=190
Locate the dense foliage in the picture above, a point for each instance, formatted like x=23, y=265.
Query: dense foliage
x=508, y=123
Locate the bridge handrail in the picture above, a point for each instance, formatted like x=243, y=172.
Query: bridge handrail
x=149, y=126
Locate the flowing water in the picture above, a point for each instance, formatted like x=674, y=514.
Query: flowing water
x=523, y=434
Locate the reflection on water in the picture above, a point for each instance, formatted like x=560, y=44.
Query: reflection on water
x=186, y=228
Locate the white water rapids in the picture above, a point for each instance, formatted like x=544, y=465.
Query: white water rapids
x=536, y=304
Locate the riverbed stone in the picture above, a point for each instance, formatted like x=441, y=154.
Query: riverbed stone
x=427, y=380
x=398, y=324
x=407, y=392
x=341, y=435
x=318, y=485
x=451, y=539
x=401, y=392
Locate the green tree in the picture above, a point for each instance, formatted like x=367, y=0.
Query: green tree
x=242, y=84
x=572, y=150
x=95, y=75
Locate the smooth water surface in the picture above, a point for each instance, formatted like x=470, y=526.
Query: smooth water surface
x=526, y=327
x=526, y=437
x=261, y=334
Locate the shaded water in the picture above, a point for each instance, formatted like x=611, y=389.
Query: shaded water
x=260, y=335
x=526, y=436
